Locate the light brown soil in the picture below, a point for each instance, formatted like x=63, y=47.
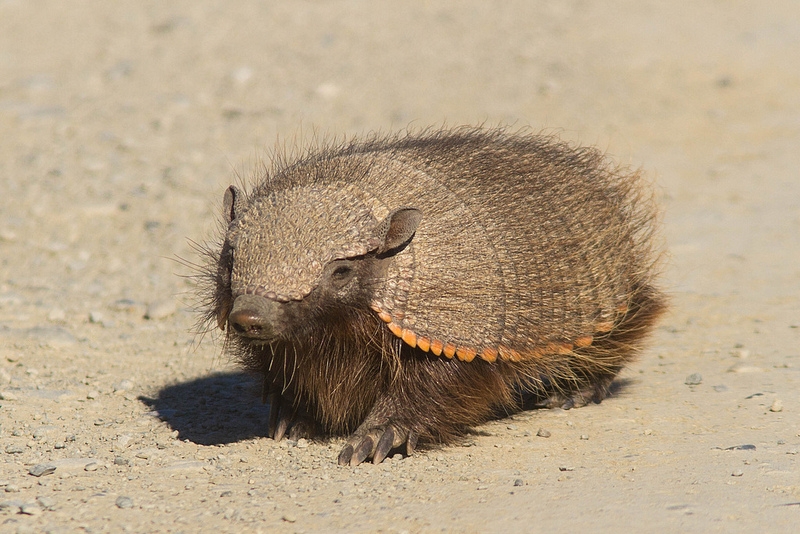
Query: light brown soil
x=121, y=123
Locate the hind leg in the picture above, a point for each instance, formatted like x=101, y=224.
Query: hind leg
x=594, y=393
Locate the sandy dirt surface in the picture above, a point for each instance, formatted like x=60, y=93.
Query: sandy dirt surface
x=121, y=124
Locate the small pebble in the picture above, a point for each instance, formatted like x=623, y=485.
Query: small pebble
x=7, y=395
x=542, y=433
x=56, y=315
x=40, y=433
x=777, y=406
x=566, y=468
x=7, y=235
x=519, y=482
x=54, y=337
x=124, y=502
x=95, y=317
x=119, y=460
x=740, y=353
x=289, y=518
x=584, y=437
x=10, y=506
x=123, y=385
x=47, y=503
x=693, y=379
x=242, y=75
x=160, y=309
x=92, y=395
x=91, y=466
x=302, y=443
x=745, y=447
x=741, y=367
x=12, y=488
x=126, y=305
x=737, y=473
x=39, y=470
x=30, y=509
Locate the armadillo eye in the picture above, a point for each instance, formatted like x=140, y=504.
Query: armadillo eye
x=343, y=271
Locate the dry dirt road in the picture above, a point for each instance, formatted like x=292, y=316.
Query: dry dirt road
x=121, y=123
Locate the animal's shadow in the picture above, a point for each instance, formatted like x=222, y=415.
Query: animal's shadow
x=226, y=408
x=213, y=410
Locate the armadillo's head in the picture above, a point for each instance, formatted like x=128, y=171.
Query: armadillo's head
x=301, y=252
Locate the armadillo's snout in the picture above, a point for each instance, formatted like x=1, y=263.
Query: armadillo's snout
x=252, y=316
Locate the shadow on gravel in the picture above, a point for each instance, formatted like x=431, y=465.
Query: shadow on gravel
x=217, y=409
x=226, y=408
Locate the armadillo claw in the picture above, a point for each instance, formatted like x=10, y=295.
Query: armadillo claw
x=281, y=416
x=285, y=419
x=302, y=428
x=364, y=449
x=375, y=442
x=593, y=393
x=411, y=442
x=385, y=444
x=346, y=455
x=274, y=401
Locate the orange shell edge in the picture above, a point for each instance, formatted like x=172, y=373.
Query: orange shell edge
x=396, y=330
x=423, y=344
x=466, y=354
x=409, y=337
x=490, y=355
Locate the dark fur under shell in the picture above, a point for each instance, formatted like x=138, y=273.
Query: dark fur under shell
x=338, y=365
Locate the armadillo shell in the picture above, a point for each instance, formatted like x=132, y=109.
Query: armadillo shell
x=517, y=256
x=526, y=246
x=294, y=267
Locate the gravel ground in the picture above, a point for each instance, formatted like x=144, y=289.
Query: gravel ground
x=121, y=124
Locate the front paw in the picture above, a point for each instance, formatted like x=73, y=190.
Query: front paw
x=376, y=441
x=287, y=420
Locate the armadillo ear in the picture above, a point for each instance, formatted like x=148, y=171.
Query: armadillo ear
x=398, y=228
x=232, y=203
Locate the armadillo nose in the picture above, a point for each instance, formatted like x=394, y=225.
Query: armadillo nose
x=247, y=319
x=246, y=323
